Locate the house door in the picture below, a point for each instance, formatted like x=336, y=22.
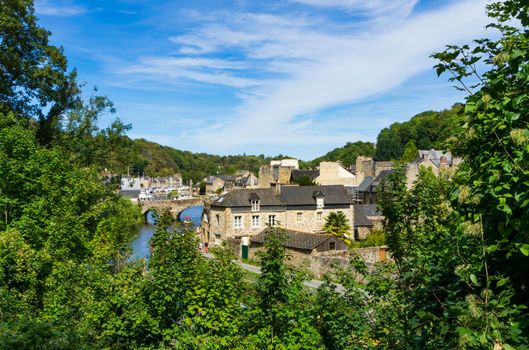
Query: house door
x=244, y=252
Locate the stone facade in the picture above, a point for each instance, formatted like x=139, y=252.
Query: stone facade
x=235, y=216
x=222, y=221
x=332, y=173
x=214, y=185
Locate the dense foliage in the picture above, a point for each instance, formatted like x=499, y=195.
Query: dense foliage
x=459, y=241
x=426, y=130
x=155, y=160
x=346, y=154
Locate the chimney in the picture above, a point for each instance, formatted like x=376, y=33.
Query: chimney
x=278, y=188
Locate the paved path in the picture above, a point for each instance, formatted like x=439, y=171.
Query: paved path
x=256, y=269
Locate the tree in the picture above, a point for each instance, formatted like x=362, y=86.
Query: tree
x=336, y=223
x=282, y=319
x=34, y=79
x=493, y=143
x=410, y=152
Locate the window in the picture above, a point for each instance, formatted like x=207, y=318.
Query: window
x=272, y=220
x=332, y=245
x=255, y=220
x=237, y=221
x=298, y=217
x=218, y=220
x=318, y=216
x=319, y=203
x=255, y=205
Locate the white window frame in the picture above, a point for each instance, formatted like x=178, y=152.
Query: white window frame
x=255, y=205
x=237, y=222
x=272, y=220
x=255, y=221
x=319, y=203
x=299, y=216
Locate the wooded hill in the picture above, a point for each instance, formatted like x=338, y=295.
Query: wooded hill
x=426, y=130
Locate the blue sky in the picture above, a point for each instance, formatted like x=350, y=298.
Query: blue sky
x=297, y=77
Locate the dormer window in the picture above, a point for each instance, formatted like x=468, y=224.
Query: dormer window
x=318, y=195
x=255, y=201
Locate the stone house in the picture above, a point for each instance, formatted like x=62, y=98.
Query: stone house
x=366, y=192
x=436, y=160
x=333, y=173
x=278, y=172
x=300, y=246
x=214, y=184
x=243, y=213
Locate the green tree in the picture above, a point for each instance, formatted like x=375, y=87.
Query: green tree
x=410, y=152
x=283, y=317
x=494, y=138
x=336, y=223
x=35, y=81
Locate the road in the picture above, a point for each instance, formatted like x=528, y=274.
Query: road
x=256, y=269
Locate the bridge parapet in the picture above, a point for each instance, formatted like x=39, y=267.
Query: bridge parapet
x=174, y=206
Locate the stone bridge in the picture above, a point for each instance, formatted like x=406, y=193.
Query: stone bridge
x=174, y=206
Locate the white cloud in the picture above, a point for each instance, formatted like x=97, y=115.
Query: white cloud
x=45, y=8
x=343, y=69
x=173, y=69
x=371, y=7
x=307, y=65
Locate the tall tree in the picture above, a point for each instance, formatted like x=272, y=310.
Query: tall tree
x=34, y=77
x=494, y=140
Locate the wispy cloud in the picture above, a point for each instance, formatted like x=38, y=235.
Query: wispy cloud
x=47, y=8
x=289, y=69
x=371, y=8
x=209, y=71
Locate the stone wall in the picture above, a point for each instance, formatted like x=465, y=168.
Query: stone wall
x=322, y=263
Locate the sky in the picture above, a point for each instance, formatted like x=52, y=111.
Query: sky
x=296, y=77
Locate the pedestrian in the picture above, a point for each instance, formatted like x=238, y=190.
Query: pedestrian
x=206, y=246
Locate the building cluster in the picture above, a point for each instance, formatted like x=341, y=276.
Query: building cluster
x=216, y=184
x=246, y=209
x=153, y=188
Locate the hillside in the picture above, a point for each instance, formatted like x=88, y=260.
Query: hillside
x=157, y=160
x=346, y=154
x=424, y=131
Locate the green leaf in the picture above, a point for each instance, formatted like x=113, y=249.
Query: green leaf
x=501, y=282
x=474, y=279
x=525, y=249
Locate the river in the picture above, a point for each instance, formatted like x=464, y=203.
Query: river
x=140, y=244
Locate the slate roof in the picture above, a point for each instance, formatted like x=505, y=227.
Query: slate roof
x=360, y=218
x=296, y=239
x=369, y=209
x=364, y=185
x=435, y=156
x=290, y=195
x=298, y=174
x=305, y=195
x=383, y=176
x=242, y=197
